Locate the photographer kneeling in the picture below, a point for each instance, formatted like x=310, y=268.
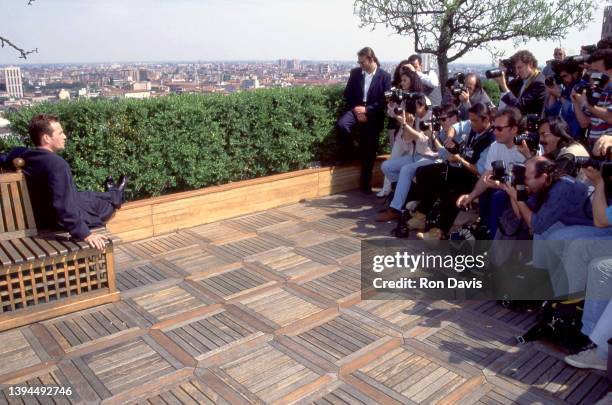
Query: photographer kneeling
x=558, y=144
x=441, y=184
x=502, y=154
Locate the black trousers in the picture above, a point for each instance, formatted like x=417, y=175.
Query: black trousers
x=446, y=184
x=369, y=133
x=97, y=208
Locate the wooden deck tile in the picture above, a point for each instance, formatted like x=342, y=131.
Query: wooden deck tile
x=342, y=286
x=345, y=341
x=282, y=307
x=333, y=223
x=146, y=275
x=408, y=376
x=552, y=375
x=287, y=264
x=242, y=249
x=196, y=260
x=16, y=351
x=53, y=376
x=401, y=314
x=205, y=336
x=332, y=250
x=162, y=245
x=232, y=281
x=127, y=366
x=260, y=221
x=192, y=391
x=168, y=303
x=87, y=327
x=339, y=392
x=270, y=375
x=219, y=233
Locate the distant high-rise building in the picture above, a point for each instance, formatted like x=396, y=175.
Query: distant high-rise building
x=144, y=75
x=283, y=64
x=606, y=26
x=293, y=64
x=12, y=81
x=324, y=68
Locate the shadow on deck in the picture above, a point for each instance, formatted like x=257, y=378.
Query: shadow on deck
x=266, y=308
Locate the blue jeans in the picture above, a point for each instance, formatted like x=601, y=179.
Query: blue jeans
x=598, y=296
x=603, y=328
x=565, y=252
x=403, y=170
x=492, y=204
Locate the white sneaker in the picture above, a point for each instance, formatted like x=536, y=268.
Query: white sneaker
x=587, y=359
x=383, y=193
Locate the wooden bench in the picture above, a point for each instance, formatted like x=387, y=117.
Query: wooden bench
x=44, y=275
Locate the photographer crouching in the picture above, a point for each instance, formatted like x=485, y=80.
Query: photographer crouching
x=468, y=91
x=417, y=143
x=502, y=154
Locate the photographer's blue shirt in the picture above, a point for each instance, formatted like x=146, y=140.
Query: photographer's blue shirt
x=609, y=214
x=564, y=108
x=567, y=202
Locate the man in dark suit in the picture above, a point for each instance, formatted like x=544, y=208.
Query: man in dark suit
x=55, y=200
x=527, y=93
x=365, y=95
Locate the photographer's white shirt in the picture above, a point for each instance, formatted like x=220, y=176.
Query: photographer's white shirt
x=498, y=151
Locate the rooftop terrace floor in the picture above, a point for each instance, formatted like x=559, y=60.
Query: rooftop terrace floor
x=266, y=308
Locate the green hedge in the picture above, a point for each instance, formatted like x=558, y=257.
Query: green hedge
x=184, y=142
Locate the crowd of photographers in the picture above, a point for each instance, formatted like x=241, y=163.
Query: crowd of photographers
x=538, y=164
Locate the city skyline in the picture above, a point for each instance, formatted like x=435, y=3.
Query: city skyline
x=142, y=31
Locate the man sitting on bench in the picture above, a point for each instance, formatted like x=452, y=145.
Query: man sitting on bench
x=55, y=200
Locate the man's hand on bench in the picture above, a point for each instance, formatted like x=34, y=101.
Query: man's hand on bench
x=97, y=241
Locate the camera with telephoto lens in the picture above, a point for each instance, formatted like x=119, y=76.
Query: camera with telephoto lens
x=594, y=84
x=498, y=169
x=507, y=67
x=531, y=135
x=398, y=96
x=436, y=124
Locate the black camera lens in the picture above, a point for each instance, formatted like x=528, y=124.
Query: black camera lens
x=493, y=73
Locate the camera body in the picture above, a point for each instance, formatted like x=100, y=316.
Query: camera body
x=458, y=84
x=594, y=84
x=398, y=96
x=508, y=67
x=531, y=135
x=516, y=177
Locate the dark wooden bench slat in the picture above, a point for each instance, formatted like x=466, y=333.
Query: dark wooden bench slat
x=10, y=250
x=46, y=247
x=40, y=254
x=23, y=249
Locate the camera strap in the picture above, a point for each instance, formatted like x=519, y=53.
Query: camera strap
x=529, y=81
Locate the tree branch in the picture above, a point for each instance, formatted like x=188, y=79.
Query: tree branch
x=23, y=52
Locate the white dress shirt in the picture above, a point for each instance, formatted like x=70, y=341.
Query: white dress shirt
x=366, y=83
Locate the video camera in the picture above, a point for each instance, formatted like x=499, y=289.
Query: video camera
x=398, y=96
x=507, y=67
x=594, y=84
x=531, y=135
x=516, y=177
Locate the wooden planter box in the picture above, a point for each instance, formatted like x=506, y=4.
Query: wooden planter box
x=156, y=216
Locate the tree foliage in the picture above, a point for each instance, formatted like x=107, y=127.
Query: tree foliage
x=451, y=28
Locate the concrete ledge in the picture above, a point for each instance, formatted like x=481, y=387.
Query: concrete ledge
x=155, y=216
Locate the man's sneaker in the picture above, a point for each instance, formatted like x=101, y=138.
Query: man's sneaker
x=587, y=359
x=417, y=222
x=387, y=215
x=432, y=234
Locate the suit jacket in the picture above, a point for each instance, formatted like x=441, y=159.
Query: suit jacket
x=532, y=99
x=55, y=200
x=353, y=93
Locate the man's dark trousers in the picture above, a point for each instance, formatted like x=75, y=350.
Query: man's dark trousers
x=369, y=133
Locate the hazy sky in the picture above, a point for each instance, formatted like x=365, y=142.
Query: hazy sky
x=154, y=30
